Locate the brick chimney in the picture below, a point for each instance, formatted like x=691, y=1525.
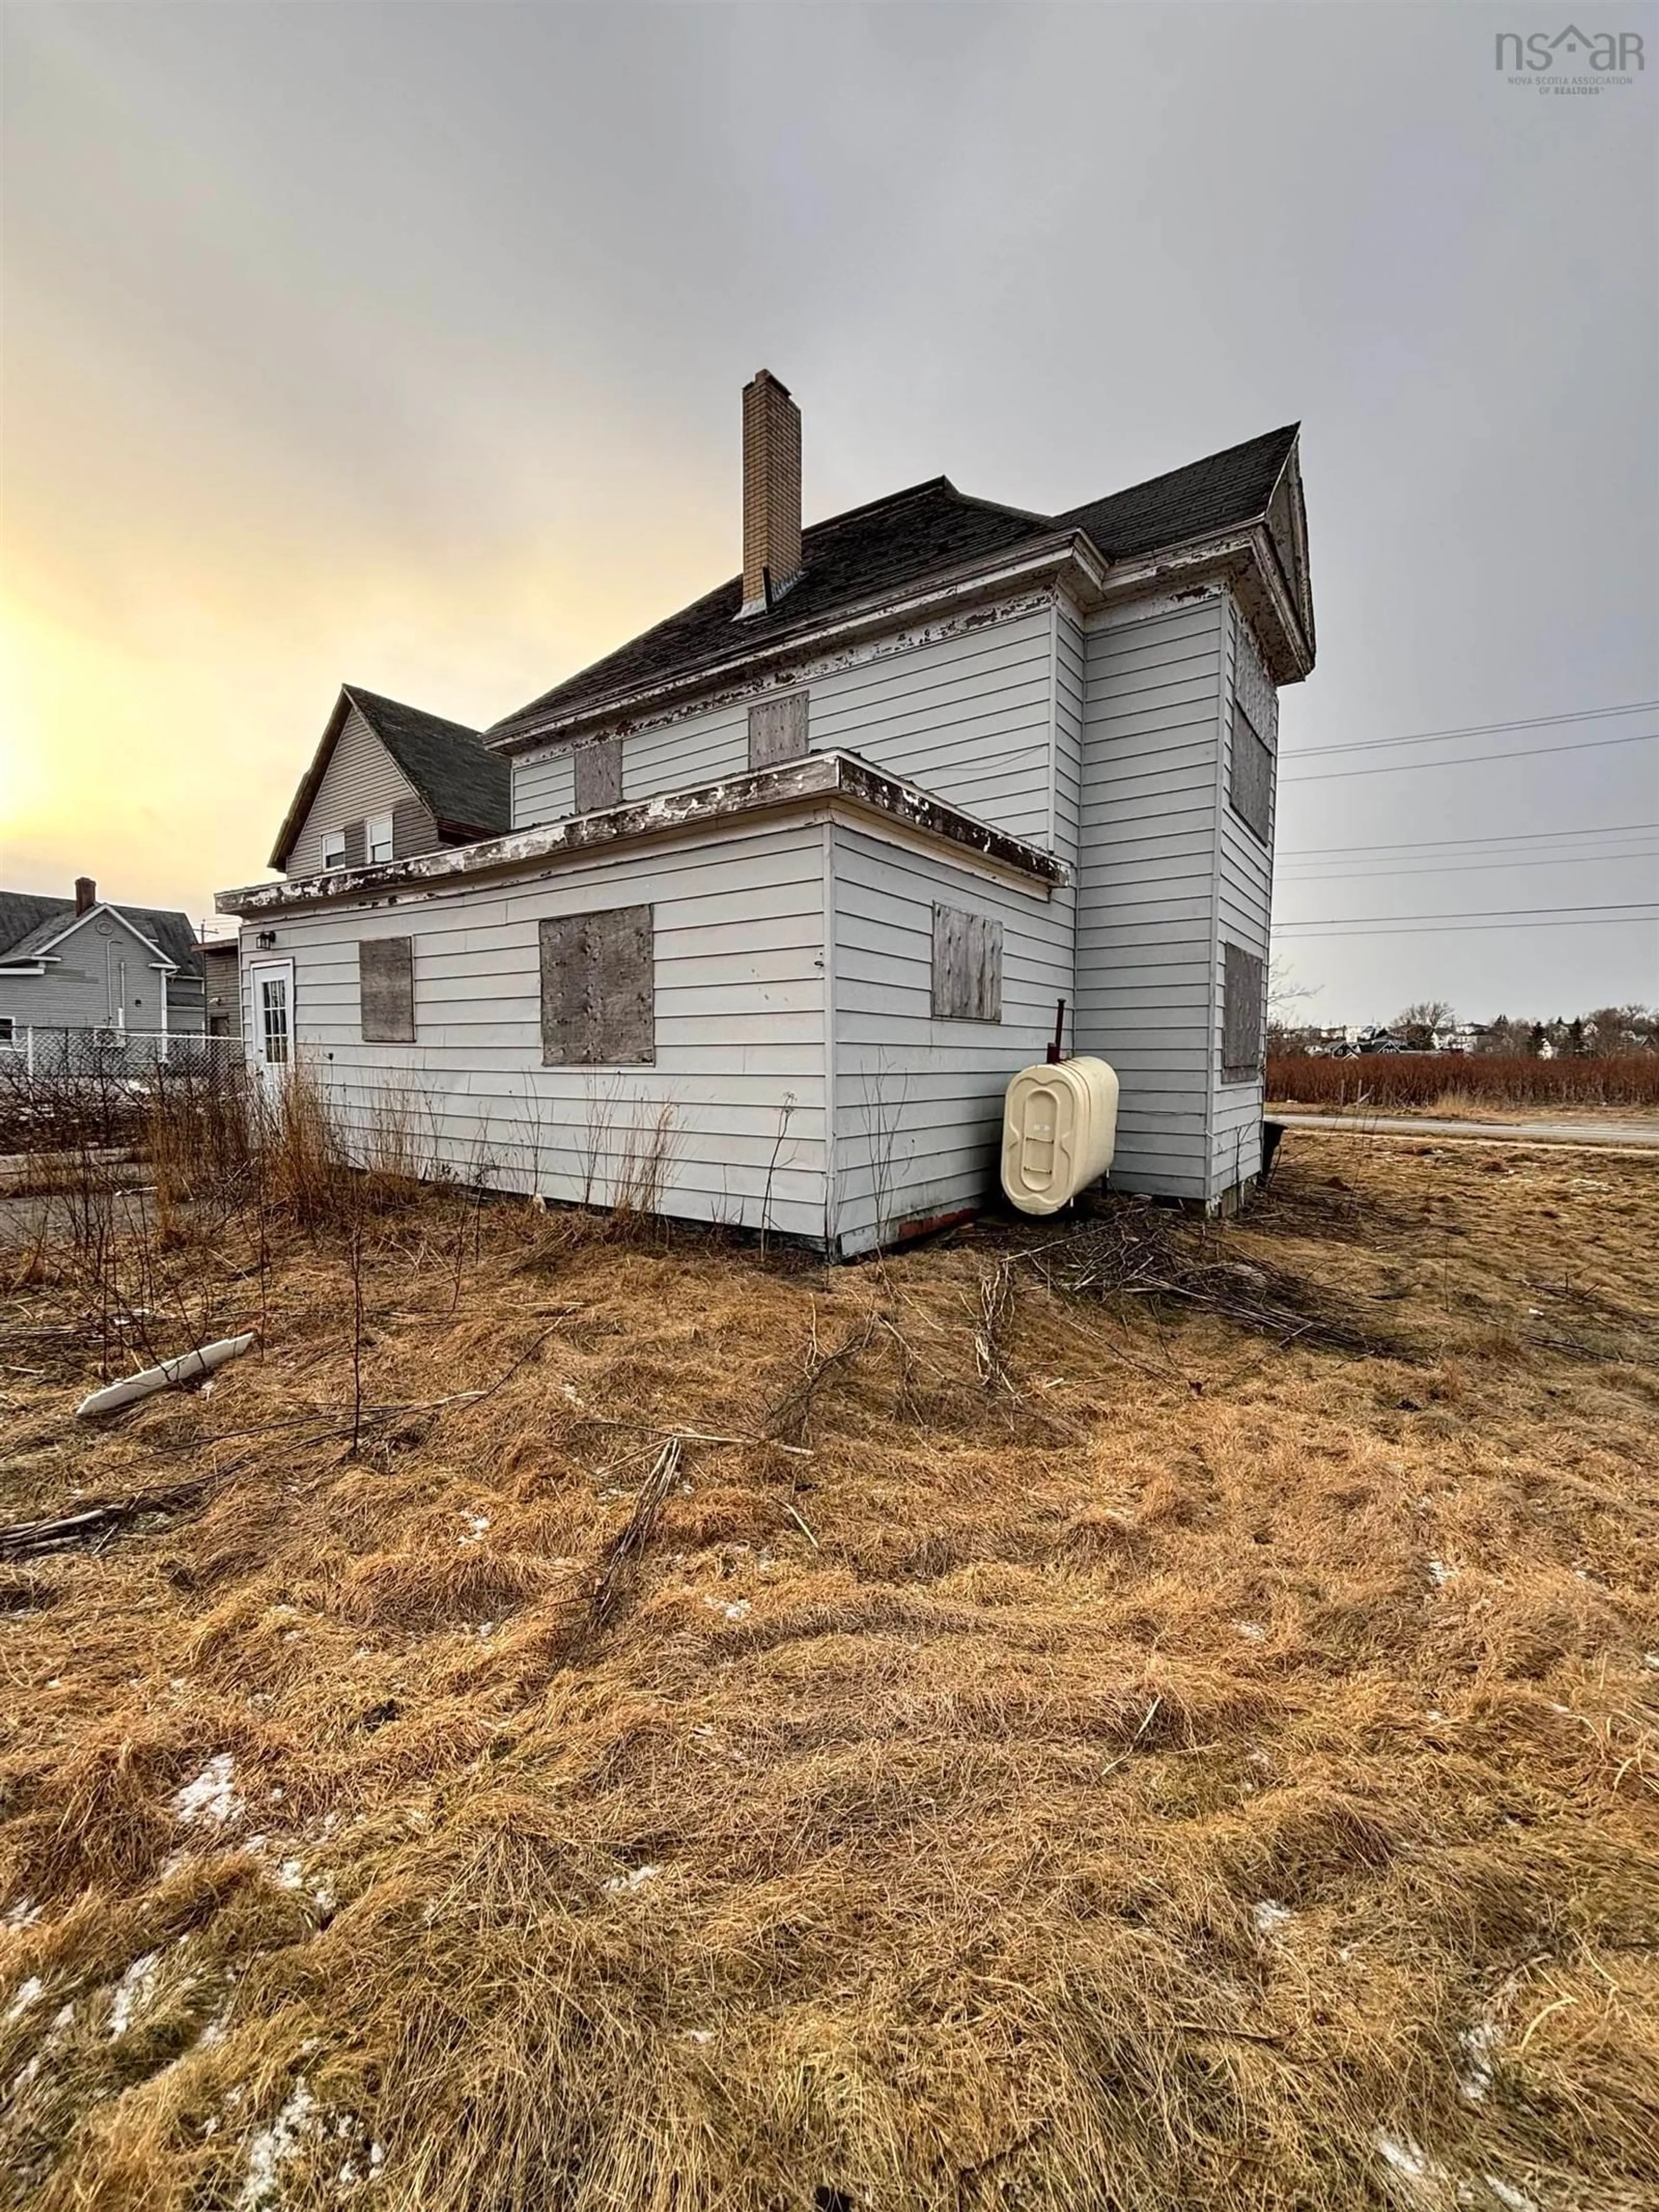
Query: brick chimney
x=771, y=493
x=86, y=894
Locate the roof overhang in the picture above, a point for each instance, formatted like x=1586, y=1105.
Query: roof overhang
x=1067, y=557
x=839, y=781
x=1246, y=561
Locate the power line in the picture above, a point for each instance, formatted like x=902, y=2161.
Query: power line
x=1519, y=916
x=1427, y=928
x=1477, y=730
x=1502, y=837
x=1368, y=875
x=1469, y=760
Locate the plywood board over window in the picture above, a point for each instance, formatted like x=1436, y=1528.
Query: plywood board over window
x=777, y=730
x=1250, y=776
x=1244, y=977
x=967, y=966
x=598, y=775
x=598, y=1004
x=386, y=984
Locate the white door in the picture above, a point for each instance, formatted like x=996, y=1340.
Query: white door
x=270, y=987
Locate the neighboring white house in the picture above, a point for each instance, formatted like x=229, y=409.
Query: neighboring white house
x=83, y=964
x=799, y=875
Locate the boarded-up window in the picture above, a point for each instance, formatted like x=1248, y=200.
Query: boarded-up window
x=599, y=776
x=598, y=1006
x=1250, y=776
x=356, y=848
x=385, y=985
x=777, y=730
x=967, y=966
x=1241, y=1015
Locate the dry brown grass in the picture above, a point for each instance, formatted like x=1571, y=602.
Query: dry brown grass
x=1057, y=1750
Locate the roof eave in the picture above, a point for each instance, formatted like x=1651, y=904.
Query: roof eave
x=1243, y=557
x=819, y=778
x=1068, y=555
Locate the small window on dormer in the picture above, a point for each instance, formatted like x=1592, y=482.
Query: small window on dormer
x=334, y=849
x=377, y=832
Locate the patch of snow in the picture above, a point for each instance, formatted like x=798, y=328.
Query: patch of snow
x=1269, y=1916
x=132, y=1991
x=1651, y=1659
x=1410, y=2163
x=269, y=2150
x=486, y=1628
x=212, y=1795
x=477, y=1525
x=1516, y=2200
x=1479, y=2045
x=23, y=1912
x=1440, y=1573
x=63, y=2019
x=28, y=1993
x=1252, y=1629
x=635, y=1878
x=324, y=1897
x=700, y=2035
x=290, y=1873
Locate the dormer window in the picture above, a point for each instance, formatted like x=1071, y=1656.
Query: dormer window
x=334, y=849
x=377, y=832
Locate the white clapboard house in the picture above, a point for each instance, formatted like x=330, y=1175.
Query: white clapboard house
x=794, y=881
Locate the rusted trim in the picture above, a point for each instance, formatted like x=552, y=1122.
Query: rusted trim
x=820, y=777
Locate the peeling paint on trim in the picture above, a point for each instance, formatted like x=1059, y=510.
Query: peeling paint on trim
x=818, y=777
x=1070, y=557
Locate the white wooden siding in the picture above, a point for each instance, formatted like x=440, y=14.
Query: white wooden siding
x=968, y=717
x=1146, y=958
x=918, y=1103
x=739, y=962
x=544, y=786
x=361, y=779
x=1244, y=904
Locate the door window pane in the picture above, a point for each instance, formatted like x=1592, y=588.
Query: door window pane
x=273, y=1019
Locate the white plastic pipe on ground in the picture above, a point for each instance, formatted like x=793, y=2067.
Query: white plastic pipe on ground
x=171, y=1372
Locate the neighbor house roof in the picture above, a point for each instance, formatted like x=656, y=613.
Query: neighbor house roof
x=896, y=542
x=30, y=922
x=467, y=788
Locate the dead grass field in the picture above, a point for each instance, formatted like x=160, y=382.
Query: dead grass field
x=1028, y=1745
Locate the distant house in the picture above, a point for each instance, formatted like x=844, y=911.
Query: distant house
x=221, y=960
x=83, y=964
x=388, y=781
x=799, y=875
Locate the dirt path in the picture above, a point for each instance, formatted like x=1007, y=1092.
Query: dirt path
x=1643, y=1134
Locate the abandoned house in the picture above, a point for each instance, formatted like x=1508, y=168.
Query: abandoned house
x=83, y=963
x=795, y=880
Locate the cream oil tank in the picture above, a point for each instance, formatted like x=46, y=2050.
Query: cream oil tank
x=1059, y=1126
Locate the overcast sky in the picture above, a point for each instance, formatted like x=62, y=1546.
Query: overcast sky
x=403, y=344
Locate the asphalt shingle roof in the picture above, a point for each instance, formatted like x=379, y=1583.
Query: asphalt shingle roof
x=898, y=541
x=458, y=776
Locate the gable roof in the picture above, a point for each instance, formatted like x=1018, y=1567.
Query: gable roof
x=30, y=922
x=465, y=786
x=892, y=543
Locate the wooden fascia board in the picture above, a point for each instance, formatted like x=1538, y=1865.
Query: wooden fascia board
x=818, y=780
x=1069, y=558
x=311, y=782
x=1244, y=558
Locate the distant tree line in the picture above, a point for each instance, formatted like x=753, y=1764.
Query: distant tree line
x=1431, y=1026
